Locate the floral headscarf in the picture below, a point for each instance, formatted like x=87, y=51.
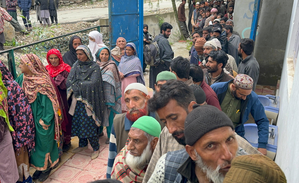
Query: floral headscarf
x=55, y=70
x=41, y=82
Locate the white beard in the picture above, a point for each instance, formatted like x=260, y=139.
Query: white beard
x=139, y=162
x=213, y=175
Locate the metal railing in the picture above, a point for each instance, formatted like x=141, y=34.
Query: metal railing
x=40, y=48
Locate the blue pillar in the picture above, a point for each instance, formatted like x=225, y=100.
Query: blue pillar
x=255, y=19
x=140, y=54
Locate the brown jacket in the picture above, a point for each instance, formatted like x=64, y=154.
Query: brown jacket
x=181, y=13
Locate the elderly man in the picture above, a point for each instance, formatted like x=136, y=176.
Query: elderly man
x=131, y=163
x=162, y=78
x=197, y=56
x=237, y=100
x=136, y=98
x=210, y=148
x=174, y=101
x=215, y=44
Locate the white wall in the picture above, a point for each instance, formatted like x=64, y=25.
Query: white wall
x=243, y=17
x=288, y=120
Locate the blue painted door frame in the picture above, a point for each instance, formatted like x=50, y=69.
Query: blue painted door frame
x=126, y=20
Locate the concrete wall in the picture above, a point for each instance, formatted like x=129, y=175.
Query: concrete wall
x=152, y=22
x=243, y=17
x=273, y=26
x=288, y=121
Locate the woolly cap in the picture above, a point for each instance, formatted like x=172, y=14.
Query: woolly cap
x=202, y=120
x=136, y=86
x=149, y=125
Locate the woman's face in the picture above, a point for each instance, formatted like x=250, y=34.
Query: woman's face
x=76, y=43
x=129, y=51
x=121, y=43
x=81, y=56
x=91, y=39
x=24, y=68
x=54, y=60
x=104, y=55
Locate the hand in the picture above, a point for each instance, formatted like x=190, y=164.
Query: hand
x=263, y=151
x=45, y=127
x=121, y=75
x=144, y=39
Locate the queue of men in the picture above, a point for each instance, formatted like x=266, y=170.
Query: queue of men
x=192, y=129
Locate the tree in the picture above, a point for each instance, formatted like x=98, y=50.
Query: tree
x=175, y=10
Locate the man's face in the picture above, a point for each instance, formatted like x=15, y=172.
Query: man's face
x=198, y=47
x=197, y=6
x=159, y=84
x=136, y=102
x=194, y=37
x=208, y=14
x=202, y=5
x=222, y=22
x=166, y=33
x=239, y=93
x=215, y=152
x=239, y=51
x=173, y=115
x=216, y=34
x=212, y=65
x=140, y=151
x=229, y=23
x=207, y=50
x=205, y=33
x=230, y=10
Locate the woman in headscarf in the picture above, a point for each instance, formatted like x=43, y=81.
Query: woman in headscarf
x=112, y=87
x=130, y=70
x=95, y=42
x=119, y=50
x=41, y=94
x=59, y=71
x=21, y=119
x=8, y=165
x=70, y=57
x=85, y=87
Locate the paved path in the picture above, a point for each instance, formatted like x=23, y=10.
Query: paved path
x=90, y=14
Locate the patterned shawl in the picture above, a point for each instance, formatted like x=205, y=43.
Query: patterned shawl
x=41, y=82
x=121, y=171
x=55, y=70
x=4, y=104
x=70, y=57
x=130, y=65
x=20, y=114
x=85, y=82
x=110, y=75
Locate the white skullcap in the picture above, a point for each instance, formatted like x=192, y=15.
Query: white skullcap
x=217, y=43
x=197, y=3
x=136, y=86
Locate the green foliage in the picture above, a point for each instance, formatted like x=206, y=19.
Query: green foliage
x=160, y=19
x=189, y=44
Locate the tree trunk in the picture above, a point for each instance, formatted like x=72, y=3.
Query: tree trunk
x=175, y=10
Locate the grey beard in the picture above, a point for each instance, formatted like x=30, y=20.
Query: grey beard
x=139, y=162
x=213, y=175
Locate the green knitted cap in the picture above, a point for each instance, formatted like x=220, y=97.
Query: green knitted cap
x=165, y=76
x=149, y=125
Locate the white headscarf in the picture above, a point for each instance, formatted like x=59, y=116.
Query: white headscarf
x=98, y=44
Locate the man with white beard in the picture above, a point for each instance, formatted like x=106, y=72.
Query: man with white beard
x=131, y=162
x=211, y=145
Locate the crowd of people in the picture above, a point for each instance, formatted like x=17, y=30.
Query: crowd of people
x=190, y=130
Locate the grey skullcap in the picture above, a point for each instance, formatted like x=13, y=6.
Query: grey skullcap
x=202, y=120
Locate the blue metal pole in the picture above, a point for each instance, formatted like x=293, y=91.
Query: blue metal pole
x=141, y=31
x=255, y=19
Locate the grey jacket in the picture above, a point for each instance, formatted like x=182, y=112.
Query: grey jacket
x=166, y=53
x=251, y=67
